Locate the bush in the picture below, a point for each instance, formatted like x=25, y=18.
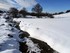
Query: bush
x=61, y=13
x=49, y=15
x=38, y=15
x=55, y=13
x=1, y=11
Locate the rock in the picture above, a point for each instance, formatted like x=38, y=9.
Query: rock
x=10, y=35
x=24, y=34
x=23, y=47
x=44, y=46
x=2, y=24
x=21, y=31
x=10, y=24
x=17, y=26
x=37, y=28
x=12, y=29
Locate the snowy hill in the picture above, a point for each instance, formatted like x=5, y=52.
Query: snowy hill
x=55, y=32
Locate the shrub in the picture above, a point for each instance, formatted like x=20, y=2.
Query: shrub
x=1, y=11
x=55, y=13
x=61, y=13
x=51, y=16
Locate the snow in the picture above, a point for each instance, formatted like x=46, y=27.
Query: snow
x=9, y=38
x=7, y=44
x=31, y=46
x=66, y=15
x=55, y=32
x=10, y=51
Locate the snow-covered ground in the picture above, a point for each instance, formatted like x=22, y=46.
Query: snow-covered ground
x=9, y=38
x=8, y=44
x=55, y=32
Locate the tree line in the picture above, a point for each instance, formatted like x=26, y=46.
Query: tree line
x=37, y=11
x=57, y=13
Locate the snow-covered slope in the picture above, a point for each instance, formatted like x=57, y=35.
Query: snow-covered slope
x=55, y=32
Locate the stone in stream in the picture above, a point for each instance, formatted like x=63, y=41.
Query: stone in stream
x=11, y=36
x=10, y=25
x=24, y=34
x=17, y=25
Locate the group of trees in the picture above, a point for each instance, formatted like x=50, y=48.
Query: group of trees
x=1, y=11
x=61, y=12
x=36, y=11
x=67, y=11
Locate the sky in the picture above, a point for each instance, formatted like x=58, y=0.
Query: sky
x=55, y=5
x=48, y=5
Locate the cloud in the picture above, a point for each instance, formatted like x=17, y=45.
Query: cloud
x=4, y=6
x=16, y=3
x=26, y=3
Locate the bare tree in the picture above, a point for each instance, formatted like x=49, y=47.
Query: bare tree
x=37, y=8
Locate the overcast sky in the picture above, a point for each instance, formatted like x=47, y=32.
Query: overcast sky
x=48, y=5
